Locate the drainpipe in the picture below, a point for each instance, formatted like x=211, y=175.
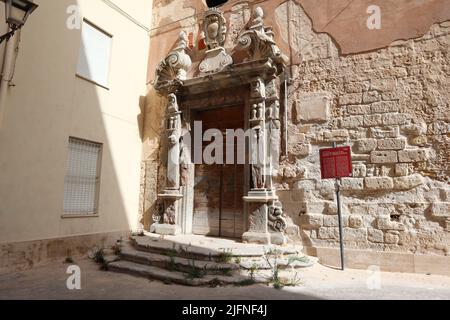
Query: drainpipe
x=8, y=60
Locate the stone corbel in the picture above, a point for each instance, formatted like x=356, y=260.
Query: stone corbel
x=259, y=42
x=172, y=70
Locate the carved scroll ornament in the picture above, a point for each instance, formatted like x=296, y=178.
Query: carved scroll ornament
x=277, y=219
x=259, y=42
x=173, y=69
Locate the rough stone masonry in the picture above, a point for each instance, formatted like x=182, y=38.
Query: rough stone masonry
x=391, y=105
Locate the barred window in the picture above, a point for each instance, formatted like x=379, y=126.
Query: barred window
x=82, y=181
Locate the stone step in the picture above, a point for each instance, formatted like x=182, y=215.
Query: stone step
x=217, y=254
x=175, y=263
x=181, y=278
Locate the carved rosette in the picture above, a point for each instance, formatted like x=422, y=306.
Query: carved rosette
x=173, y=69
x=259, y=42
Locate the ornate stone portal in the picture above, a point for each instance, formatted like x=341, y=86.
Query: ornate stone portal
x=258, y=78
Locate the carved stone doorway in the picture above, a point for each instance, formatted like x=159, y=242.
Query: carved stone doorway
x=219, y=188
x=254, y=84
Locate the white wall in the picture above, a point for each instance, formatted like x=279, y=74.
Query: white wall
x=49, y=104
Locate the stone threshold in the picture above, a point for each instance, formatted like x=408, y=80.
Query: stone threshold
x=206, y=247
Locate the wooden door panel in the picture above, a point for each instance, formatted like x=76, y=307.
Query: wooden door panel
x=219, y=189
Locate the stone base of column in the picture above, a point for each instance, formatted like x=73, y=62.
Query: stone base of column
x=260, y=196
x=165, y=229
x=256, y=237
x=276, y=238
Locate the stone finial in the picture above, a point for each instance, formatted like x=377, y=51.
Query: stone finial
x=173, y=69
x=258, y=19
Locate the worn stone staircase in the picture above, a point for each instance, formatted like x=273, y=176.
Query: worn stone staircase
x=202, y=261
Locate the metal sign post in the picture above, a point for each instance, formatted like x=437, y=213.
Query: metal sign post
x=341, y=232
x=336, y=163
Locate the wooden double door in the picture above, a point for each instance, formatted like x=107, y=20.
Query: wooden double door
x=219, y=188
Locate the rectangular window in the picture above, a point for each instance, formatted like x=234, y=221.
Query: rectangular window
x=95, y=53
x=82, y=181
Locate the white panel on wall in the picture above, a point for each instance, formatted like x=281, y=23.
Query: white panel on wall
x=95, y=54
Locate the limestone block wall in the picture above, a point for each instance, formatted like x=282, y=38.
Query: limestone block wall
x=392, y=107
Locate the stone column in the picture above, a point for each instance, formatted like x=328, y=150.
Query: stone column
x=273, y=131
x=259, y=196
x=169, y=222
x=276, y=217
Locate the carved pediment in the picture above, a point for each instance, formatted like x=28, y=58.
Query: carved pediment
x=172, y=70
x=259, y=42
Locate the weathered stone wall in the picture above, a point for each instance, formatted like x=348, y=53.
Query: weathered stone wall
x=390, y=105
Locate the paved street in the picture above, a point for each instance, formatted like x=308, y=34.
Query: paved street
x=318, y=282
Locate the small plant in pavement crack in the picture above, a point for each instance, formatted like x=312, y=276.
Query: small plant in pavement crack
x=194, y=272
x=226, y=256
x=99, y=258
x=271, y=259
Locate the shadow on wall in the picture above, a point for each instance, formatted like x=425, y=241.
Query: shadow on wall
x=54, y=104
x=151, y=124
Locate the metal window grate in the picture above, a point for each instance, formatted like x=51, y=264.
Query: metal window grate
x=82, y=179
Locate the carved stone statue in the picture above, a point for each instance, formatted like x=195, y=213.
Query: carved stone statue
x=258, y=89
x=257, y=174
x=185, y=161
x=173, y=120
x=159, y=212
x=173, y=140
x=169, y=214
x=257, y=177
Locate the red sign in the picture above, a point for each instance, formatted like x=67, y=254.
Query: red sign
x=336, y=163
